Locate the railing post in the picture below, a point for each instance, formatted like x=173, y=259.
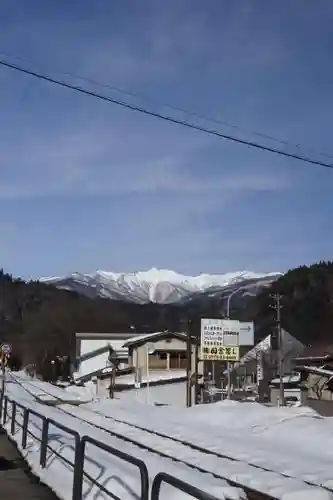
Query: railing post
x=155, y=490
x=2, y=395
x=25, y=427
x=119, y=454
x=80, y=447
x=5, y=406
x=12, y=425
x=188, y=489
x=43, y=446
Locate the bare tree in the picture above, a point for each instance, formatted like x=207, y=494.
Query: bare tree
x=319, y=386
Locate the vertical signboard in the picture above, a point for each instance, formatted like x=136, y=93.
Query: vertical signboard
x=219, y=340
x=260, y=367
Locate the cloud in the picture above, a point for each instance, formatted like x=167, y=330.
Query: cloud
x=110, y=188
x=99, y=162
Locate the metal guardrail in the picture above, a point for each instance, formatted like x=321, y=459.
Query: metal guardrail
x=79, y=455
x=79, y=449
x=163, y=477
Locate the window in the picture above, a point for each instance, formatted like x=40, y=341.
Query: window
x=160, y=354
x=178, y=354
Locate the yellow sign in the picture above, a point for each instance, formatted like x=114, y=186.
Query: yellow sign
x=220, y=353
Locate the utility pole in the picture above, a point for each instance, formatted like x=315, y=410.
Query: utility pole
x=277, y=306
x=239, y=289
x=188, y=365
x=196, y=369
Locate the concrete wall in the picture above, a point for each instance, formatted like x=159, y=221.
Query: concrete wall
x=97, y=362
x=299, y=393
x=324, y=408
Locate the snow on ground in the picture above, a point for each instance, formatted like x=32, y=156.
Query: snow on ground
x=88, y=390
x=294, y=442
x=153, y=376
x=169, y=394
x=116, y=475
x=48, y=392
x=266, y=481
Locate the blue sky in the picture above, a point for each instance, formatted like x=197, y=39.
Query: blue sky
x=86, y=185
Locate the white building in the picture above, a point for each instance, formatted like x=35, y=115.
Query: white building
x=93, y=349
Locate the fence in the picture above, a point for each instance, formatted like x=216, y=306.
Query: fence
x=79, y=455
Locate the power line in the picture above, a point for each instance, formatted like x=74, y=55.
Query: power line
x=194, y=114
x=175, y=108
x=162, y=116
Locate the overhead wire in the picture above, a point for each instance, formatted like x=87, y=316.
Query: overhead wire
x=161, y=116
x=185, y=111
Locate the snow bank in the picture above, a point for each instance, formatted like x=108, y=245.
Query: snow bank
x=279, y=451
x=119, y=477
x=295, y=442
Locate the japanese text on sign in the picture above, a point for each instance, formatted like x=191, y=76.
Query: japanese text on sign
x=211, y=332
x=220, y=353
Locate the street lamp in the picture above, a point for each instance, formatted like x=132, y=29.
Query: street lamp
x=239, y=289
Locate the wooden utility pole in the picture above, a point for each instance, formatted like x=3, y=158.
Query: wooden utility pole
x=188, y=364
x=112, y=382
x=196, y=368
x=277, y=306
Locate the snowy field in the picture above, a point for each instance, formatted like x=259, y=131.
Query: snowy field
x=287, y=453
x=169, y=394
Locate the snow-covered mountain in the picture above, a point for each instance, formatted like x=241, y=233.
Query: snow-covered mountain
x=160, y=285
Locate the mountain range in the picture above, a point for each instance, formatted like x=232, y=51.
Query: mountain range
x=161, y=285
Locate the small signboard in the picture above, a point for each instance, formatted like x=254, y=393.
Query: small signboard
x=211, y=338
x=221, y=338
x=221, y=353
x=6, y=348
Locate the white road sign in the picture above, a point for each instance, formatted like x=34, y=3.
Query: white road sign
x=246, y=333
x=6, y=348
x=219, y=340
x=219, y=334
x=212, y=331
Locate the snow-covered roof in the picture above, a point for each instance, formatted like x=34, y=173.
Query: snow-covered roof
x=293, y=378
x=289, y=344
x=109, y=336
x=141, y=339
x=318, y=371
x=118, y=345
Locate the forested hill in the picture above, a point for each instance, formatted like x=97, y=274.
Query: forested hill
x=36, y=318
x=307, y=303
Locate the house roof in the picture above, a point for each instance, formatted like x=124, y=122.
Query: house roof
x=316, y=352
x=109, y=336
x=151, y=337
x=318, y=371
x=289, y=344
x=293, y=378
